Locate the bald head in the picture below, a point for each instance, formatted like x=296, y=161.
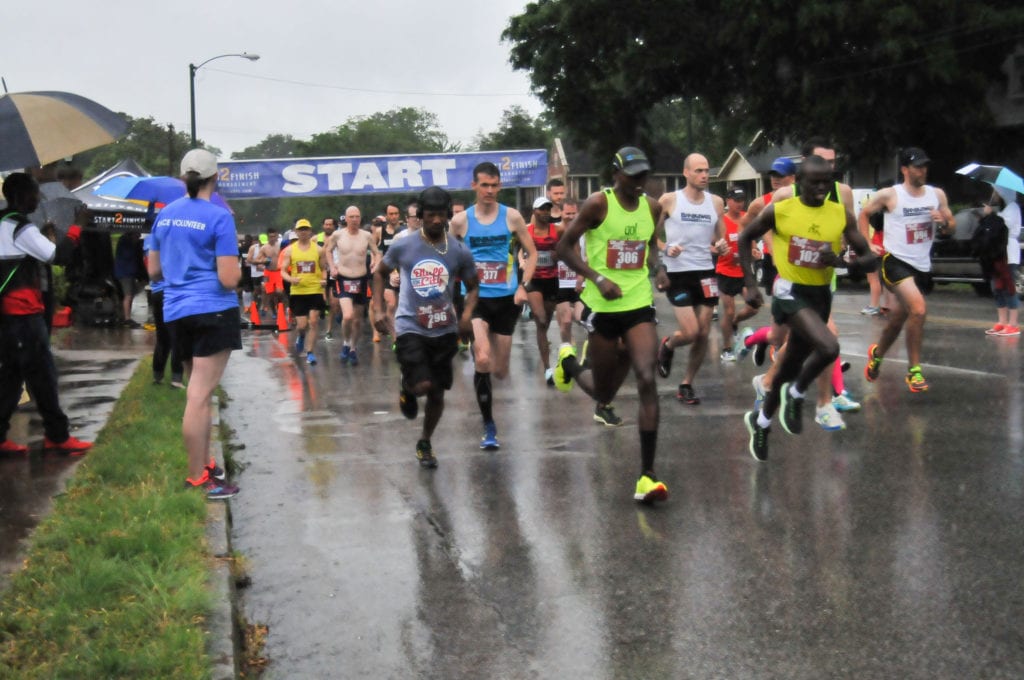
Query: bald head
x=696, y=171
x=353, y=218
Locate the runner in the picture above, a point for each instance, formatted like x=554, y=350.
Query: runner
x=256, y=267
x=567, y=303
x=542, y=292
x=273, y=284
x=622, y=247
x=730, y=278
x=914, y=211
x=425, y=322
x=304, y=266
x=691, y=228
x=383, y=236
x=488, y=228
x=330, y=225
x=347, y=258
x=807, y=240
x=555, y=192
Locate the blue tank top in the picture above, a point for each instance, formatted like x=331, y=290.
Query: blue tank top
x=491, y=248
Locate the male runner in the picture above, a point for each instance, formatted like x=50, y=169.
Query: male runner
x=346, y=256
x=567, y=303
x=730, y=277
x=622, y=247
x=304, y=266
x=330, y=225
x=425, y=322
x=691, y=228
x=555, y=192
x=488, y=227
x=273, y=284
x=383, y=236
x=808, y=232
x=914, y=210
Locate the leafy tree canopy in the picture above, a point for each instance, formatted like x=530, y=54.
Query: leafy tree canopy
x=875, y=75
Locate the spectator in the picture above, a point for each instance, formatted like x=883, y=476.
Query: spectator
x=1004, y=274
x=129, y=273
x=24, y=340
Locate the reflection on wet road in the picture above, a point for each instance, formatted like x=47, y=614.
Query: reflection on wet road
x=890, y=549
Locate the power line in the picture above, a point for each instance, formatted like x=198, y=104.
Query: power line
x=369, y=91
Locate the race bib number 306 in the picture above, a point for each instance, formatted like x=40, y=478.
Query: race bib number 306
x=806, y=252
x=625, y=254
x=492, y=272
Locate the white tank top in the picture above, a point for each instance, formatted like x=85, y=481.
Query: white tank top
x=908, y=229
x=692, y=226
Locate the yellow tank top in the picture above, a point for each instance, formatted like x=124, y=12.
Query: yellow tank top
x=306, y=266
x=617, y=249
x=802, y=234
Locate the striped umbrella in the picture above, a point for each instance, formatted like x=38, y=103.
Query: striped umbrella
x=37, y=128
x=996, y=175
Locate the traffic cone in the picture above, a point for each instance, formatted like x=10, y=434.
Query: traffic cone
x=254, y=314
x=282, y=319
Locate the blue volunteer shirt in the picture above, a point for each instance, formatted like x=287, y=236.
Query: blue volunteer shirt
x=190, y=234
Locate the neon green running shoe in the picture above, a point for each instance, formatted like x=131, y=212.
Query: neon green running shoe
x=649, y=490
x=563, y=381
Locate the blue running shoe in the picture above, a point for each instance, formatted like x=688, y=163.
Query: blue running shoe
x=489, y=442
x=310, y=358
x=352, y=358
x=345, y=349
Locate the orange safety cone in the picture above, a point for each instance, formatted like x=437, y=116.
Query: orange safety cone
x=254, y=314
x=282, y=319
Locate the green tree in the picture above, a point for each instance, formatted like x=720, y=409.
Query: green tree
x=517, y=130
x=155, y=146
x=875, y=75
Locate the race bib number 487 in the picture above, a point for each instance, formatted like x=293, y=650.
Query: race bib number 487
x=624, y=254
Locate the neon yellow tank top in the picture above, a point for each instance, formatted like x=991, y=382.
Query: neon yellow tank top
x=306, y=265
x=802, y=234
x=617, y=249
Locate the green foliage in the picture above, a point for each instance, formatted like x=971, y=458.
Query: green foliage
x=156, y=147
x=403, y=130
x=114, y=585
x=517, y=130
x=875, y=75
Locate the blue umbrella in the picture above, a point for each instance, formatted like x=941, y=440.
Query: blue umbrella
x=37, y=128
x=996, y=175
x=159, y=190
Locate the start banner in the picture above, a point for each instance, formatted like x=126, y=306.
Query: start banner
x=293, y=177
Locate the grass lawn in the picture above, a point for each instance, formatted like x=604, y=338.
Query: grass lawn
x=115, y=580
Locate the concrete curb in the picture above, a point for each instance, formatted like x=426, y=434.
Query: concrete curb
x=222, y=643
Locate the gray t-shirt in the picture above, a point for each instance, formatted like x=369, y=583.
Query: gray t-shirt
x=428, y=280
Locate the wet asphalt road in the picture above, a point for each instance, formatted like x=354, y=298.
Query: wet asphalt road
x=890, y=550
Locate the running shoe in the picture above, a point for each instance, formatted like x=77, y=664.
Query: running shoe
x=425, y=454
x=995, y=330
x=352, y=358
x=328, y=336
x=791, y=412
x=649, y=490
x=345, y=350
x=489, y=441
x=215, y=490
x=844, y=402
x=407, y=404
x=71, y=445
x=583, y=353
x=758, y=446
x=916, y=381
x=665, y=354
x=606, y=416
x=310, y=358
x=1009, y=331
x=874, y=365
x=759, y=353
x=563, y=381
x=871, y=311
x=686, y=395
x=215, y=471
x=828, y=417
x=178, y=384
x=740, y=348
x=12, y=447
x=727, y=356
x=759, y=391
x=549, y=376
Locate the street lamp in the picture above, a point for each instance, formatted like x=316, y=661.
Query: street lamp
x=192, y=68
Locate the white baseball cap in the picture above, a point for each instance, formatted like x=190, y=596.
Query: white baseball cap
x=199, y=161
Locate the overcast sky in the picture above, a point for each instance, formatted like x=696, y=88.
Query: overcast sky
x=321, y=61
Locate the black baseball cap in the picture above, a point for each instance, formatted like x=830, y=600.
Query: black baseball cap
x=736, y=194
x=912, y=155
x=631, y=161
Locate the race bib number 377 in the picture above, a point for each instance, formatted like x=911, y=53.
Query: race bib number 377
x=492, y=272
x=625, y=254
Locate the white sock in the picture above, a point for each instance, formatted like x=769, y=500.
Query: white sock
x=795, y=393
x=763, y=421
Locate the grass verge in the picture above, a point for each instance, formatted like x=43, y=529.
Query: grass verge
x=114, y=583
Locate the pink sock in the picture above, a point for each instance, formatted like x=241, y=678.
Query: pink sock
x=837, y=377
x=760, y=337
